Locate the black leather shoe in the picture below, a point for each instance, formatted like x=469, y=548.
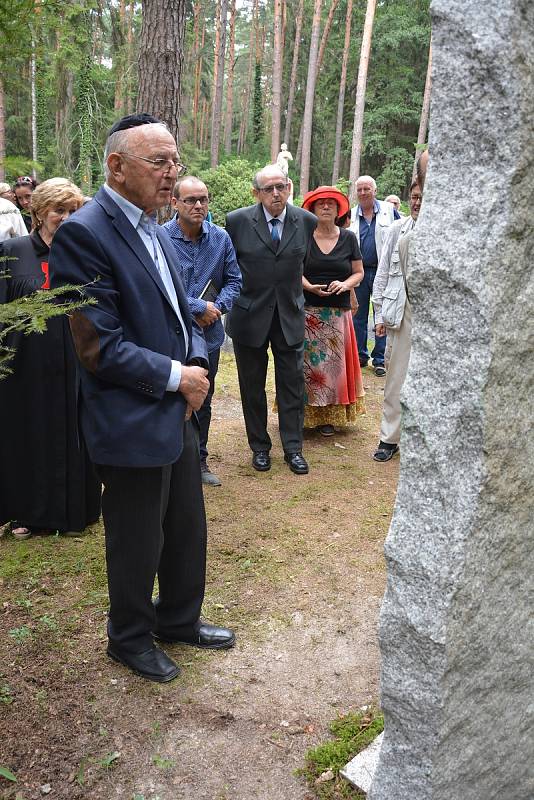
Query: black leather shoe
x=385, y=452
x=152, y=664
x=205, y=636
x=297, y=463
x=261, y=460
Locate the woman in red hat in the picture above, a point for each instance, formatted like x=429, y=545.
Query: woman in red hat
x=333, y=266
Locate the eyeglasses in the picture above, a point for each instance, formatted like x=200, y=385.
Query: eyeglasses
x=415, y=197
x=159, y=164
x=280, y=187
x=192, y=201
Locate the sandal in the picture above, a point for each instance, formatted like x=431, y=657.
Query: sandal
x=20, y=532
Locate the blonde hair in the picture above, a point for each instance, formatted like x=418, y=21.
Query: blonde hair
x=52, y=193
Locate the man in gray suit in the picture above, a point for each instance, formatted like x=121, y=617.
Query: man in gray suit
x=271, y=240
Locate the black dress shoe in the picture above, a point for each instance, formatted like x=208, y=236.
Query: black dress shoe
x=205, y=636
x=261, y=460
x=152, y=664
x=297, y=463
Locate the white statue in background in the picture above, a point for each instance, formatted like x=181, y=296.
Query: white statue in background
x=283, y=157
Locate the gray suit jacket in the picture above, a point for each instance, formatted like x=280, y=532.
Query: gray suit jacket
x=272, y=278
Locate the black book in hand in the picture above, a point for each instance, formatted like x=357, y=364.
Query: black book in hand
x=210, y=292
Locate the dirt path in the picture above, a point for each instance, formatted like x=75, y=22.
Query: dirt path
x=295, y=566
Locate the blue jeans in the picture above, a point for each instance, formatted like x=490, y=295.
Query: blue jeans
x=363, y=295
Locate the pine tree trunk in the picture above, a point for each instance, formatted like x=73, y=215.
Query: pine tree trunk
x=2, y=132
x=119, y=58
x=161, y=56
x=196, y=97
x=216, y=108
x=276, y=81
x=425, y=111
x=131, y=66
x=34, y=107
x=341, y=98
x=293, y=78
x=360, y=99
x=326, y=33
x=307, y=122
x=243, y=128
x=230, y=83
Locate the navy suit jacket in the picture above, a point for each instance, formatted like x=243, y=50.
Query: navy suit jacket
x=125, y=342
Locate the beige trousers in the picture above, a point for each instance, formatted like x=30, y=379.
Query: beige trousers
x=397, y=358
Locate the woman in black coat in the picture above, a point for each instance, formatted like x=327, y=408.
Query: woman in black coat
x=47, y=483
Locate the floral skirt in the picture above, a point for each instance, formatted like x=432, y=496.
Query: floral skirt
x=334, y=393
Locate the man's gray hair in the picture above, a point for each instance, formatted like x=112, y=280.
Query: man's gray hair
x=118, y=142
x=367, y=178
x=256, y=178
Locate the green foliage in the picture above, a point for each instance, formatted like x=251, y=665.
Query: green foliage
x=7, y=774
x=6, y=698
x=352, y=733
x=229, y=186
x=30, y=314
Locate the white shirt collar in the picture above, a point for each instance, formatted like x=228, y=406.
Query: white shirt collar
x=269, y=216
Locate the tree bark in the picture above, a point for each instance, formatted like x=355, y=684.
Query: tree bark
x=34, y=107
x=230, y=83
x=341, y=98
x=216, y=107
x=161, y=56
x=360, y=99
x=425, y=111
x=326, y=33
x=276, y=81
x=307, y=123
x=293, y=78
x=243, y=128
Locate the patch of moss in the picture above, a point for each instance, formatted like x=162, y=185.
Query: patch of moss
x=352, y=733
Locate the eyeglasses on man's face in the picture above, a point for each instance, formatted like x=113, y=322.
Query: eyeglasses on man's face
x=192, y=201
x=280, y=187
x=159, y=164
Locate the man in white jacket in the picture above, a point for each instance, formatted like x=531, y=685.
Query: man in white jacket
x=370, y=221
x=11, y=222
x=393, y=315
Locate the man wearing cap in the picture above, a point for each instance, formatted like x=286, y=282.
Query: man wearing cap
x=370, y=220
x=271, y=240
x=23, y=189
x=143, y=371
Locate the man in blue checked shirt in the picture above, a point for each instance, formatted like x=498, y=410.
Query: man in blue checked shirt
x=209, y=267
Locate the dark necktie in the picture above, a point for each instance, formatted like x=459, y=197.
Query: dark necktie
x=275, y=233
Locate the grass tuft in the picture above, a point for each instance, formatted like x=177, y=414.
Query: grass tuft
x=352, y=734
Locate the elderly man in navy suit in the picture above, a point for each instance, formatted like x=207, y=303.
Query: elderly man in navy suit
x=143, y=372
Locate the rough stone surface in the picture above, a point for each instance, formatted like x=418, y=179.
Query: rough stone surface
x=361, y=769
x=457, y=621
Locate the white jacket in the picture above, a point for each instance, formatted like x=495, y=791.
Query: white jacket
x=11, y=222
x=384, y=219
x=388, y=286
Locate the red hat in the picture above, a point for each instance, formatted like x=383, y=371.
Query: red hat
x=327, y=192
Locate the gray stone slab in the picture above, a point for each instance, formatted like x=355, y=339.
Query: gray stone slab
x=457, y=622
x=361, y=769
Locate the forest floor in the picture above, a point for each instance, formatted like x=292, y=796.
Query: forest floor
x=295, y=566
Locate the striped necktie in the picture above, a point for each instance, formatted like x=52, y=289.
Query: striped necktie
x=275, y=233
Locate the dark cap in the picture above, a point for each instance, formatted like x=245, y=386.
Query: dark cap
x=133, y=121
